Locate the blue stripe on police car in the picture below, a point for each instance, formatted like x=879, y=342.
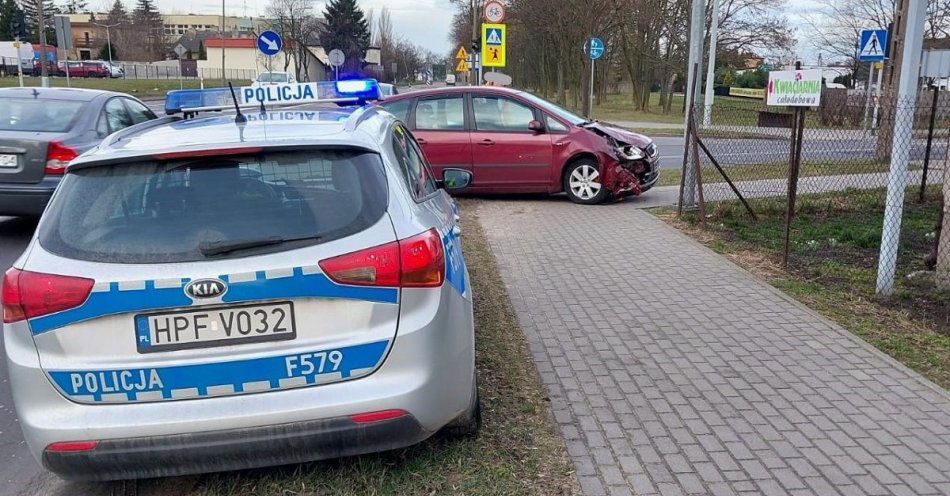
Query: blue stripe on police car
x=345, y=363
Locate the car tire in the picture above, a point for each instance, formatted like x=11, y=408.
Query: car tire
x=580, y=182
x=469, y=422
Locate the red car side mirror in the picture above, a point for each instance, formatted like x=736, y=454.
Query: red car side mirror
x=536, y=126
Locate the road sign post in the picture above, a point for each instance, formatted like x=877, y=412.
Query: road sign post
x=494, y=12
x=595, y=50
x=19, y=61
x=872, y=46
x=64, y=41
x=270, y=44
x=180, y=50
x=461, y=55
x=337, y=58
x=494, y=42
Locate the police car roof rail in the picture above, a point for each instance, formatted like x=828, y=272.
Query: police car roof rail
x=142, y=126
x=359, y=116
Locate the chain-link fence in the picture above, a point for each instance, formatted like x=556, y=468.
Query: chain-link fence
x=848, y=149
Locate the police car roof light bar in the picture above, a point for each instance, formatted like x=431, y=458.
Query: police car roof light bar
x=356, y=91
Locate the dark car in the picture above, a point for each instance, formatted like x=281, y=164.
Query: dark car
x=515, y=142
x=43, y=129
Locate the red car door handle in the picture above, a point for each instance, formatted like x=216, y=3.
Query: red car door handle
x=421, y=141
x=486, y=142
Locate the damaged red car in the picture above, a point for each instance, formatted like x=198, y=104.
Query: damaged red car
x=516, y=142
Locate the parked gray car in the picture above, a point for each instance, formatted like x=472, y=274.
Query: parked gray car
x=43, y=129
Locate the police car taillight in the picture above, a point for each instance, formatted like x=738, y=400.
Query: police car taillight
x=58, y=157
x=26, y=294
x=414, y=262
x=72, y=447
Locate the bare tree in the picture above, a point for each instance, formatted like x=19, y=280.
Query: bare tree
x=834, y=29
x=295, y=21
x=646, y=43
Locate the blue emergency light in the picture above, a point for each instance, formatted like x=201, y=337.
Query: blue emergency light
x=355, y=91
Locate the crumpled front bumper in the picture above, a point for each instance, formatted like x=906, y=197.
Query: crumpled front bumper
x=631, y=178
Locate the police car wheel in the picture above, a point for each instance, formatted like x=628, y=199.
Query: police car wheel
x=582, y=182
x=469, y=422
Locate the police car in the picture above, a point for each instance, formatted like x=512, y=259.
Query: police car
x=219, y=291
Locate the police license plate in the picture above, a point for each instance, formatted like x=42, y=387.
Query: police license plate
x=218, y=326
x=7, y=160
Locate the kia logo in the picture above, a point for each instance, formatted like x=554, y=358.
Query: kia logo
x=206, y=288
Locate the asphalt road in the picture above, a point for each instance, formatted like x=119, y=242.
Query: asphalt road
x=733, y=152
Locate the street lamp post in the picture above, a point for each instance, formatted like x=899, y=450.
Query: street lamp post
x=108, y=39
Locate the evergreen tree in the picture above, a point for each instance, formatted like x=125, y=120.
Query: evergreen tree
x=104, y=52
x=75, y=7
x=32, y=14
x=118, y=14
x=346, y=30
x=8, y=10
x=148, y=25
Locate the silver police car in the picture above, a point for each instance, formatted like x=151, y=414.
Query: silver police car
x=209, y=293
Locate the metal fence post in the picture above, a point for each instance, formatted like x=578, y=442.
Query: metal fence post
x=930, y=139
x=794, y=169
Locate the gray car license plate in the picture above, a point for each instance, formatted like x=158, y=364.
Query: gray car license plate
x=218, y=326
x=7, y=160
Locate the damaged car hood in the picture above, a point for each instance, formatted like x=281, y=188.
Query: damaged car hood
x=618, y=133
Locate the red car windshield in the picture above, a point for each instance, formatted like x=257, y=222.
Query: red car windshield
x=555, y=109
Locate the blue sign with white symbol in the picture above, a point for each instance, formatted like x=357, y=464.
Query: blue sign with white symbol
x=873, y=45
x=493, y=36
x=269, y=43
x=595, y=48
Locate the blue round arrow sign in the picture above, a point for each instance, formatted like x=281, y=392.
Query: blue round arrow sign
x=595, y=48
x=269, y=43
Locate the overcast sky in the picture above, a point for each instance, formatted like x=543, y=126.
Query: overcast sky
x=424, y=22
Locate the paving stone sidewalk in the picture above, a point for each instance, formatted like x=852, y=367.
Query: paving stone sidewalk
x=673, y=371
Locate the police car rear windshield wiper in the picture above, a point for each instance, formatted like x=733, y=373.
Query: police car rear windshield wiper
x=212, y=248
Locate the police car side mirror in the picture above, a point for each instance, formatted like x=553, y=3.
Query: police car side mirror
x=536, y=126
x=455, y=179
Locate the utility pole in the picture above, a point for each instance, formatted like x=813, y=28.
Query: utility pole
x=223, y=77
x=711, y=69
x=696, y=23
x=44, y=72
x=915, y=15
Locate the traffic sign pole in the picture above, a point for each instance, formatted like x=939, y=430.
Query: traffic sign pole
x=19, y=62
x=594, y=48
x=590, y=96
x=867, y=99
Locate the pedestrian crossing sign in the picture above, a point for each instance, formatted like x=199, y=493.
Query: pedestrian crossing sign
x=873, y=45
x=494, y=43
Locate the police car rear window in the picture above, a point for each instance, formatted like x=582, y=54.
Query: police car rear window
x=171, y=211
